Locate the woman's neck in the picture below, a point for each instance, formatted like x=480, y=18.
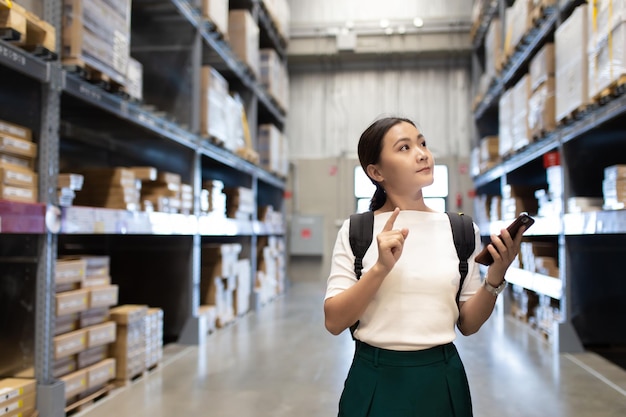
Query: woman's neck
x=416, y=204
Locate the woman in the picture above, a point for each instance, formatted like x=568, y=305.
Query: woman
x=405, y=363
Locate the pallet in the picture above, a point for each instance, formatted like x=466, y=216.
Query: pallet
x=249, y=155
x=24, y=29
x=84, y=401
x=124, y=382
x=615, y=89
x=94, y=76
x=573, y=116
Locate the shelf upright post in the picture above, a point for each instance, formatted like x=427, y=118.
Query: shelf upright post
x=50, y=392
x=566, y=338
x=193, y=333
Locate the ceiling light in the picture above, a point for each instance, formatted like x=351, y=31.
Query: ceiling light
x=389, y=31
x=401, y=30
x=384, y=23
x=349, y=24
x=418, y=22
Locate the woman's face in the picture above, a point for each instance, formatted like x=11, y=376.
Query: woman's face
x=406, y=165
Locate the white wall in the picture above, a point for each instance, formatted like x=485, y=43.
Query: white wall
x=329, y=110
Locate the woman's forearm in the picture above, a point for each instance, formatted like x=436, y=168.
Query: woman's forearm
x=475, y=311
x=345, y=309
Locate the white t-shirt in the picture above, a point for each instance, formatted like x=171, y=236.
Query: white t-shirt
x=415, y=306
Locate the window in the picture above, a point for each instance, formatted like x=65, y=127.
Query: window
x=435, y=195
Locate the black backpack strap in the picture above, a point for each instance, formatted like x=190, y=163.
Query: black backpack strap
x=361, y=235
x=464, y=242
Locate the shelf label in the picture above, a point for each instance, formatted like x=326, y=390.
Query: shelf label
x=13, y=56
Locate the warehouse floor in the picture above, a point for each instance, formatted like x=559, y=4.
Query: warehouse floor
x=280, y=362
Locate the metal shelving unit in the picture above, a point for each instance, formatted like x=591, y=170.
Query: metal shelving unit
x=598, y=135
x=75, y=115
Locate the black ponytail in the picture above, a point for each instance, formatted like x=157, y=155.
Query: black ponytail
x=379, y=198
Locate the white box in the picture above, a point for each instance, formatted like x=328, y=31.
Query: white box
x=570, y=41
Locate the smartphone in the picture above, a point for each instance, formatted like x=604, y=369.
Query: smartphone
x=485, y=258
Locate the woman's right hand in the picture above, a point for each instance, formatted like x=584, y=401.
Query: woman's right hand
x=390, y=243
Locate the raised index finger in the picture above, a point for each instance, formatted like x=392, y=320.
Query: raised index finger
x=389, y=224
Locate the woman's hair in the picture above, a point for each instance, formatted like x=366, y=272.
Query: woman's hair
x=369, y=149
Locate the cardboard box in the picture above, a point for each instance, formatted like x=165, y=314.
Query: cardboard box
x=18, y=147
x=128, y=313
x=18, y=406
x=145, y=173
x=72, y=302
x=493, y=49
x=70, y=343
x=542, y=66
x=17, y=176
x=214, y=91
x=134, y=79
x=216, y=11
x=103, y=296
x=607, y=61
x=22, y=161
x=64, y=366
x=615, y=172
x=101, y=373
x=69, y=271
x=505, y=131
x=101, y=334
x=19, y=194
x=541, y=109
x=92, y=356
x=518, y=20
x=72, y=181
x=65, y=324
x=12, y=388
x=93, y=316
x=75, y=383
x=521, y=132
x=96, y=33
x=243, y=36
x=15, y=131
x=570, y=39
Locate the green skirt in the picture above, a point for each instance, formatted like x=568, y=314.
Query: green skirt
x=387, y=383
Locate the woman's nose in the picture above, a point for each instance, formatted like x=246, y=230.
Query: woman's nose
x=421, y=155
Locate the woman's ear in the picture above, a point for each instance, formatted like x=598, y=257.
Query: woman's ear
x=374, y=173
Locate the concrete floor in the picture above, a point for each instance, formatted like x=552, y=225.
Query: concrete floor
x=280, y=362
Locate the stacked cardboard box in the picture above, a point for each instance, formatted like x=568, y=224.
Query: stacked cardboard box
x=518, y=20
x=540, y=257
x=221, y=272
x=83, y=332
x=97, y=33
x=541, y=106
x=517, y=199
x=614, y=187
x=115, y=188
x=213, y=97
x=134, y=79
x=240, y=203
x=279, y=12
x=269, y=141
x=493, y=49
x=129, y=349
x=216, y=11
x=17, y=397
x=274, y=77
x=488, y=152
x=520, y=129
x=570, y=40
x=243, y=36
x=212, y=198
x=270, y=274
x=505, y=131
x=607, y=45
x=154, y=337
x=18, y=180
x=162, y=192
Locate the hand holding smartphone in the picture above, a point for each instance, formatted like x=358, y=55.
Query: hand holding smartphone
x=485, y=258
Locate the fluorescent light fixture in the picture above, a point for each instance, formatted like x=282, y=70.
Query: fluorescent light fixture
x=418, y=22
x=384, y=23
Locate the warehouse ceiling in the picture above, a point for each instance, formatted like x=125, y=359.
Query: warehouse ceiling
x=372, y=44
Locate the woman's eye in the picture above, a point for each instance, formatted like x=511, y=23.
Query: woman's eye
x=404, y=148
x=424, y=144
